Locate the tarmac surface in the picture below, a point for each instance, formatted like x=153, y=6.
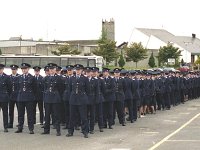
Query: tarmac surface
x=175, y=129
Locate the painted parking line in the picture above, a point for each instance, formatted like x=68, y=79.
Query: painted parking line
x=183, y=141
x=173, y=133
x=120, y=149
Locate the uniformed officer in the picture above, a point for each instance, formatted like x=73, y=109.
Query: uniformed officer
x=167, y=85
x=58, y=70
x=39, y=94
x=147, y=91
x=14, y=92
x=5, y=88
x=141, y=89
x=152, y=103
x=109, y=99
x=120, y=96
x=160, y=91
x=79, y=86
x=92, y=98
x=177, y=89
x=46, y=70
x=137, y=85
x=62, y=107
x=100, y=97
x=52, y=99
x=128, y=93
x=66, y=93
x=26, y=98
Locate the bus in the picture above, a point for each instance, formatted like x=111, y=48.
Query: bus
x=42, y=61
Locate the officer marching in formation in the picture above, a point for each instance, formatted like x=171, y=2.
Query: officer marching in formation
x=26, y=98
x=79, y=89
x=82, y=98
x=120, y=96
x=109, y=96
x=100, y=98
x=66, y=94
x=14, y=92
x=39, y=94
x=92, y=98
x=52, y=99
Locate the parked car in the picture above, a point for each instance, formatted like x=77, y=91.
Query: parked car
x=169, y=69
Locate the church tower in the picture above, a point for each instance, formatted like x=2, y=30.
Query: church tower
x=109, y=28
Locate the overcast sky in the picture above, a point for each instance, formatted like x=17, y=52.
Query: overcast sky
x=81, y=19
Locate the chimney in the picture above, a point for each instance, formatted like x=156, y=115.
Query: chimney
x=193, y=35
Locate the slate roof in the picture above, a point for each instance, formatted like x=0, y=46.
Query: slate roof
x=188, y=43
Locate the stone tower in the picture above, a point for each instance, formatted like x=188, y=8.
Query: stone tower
x=109, y=28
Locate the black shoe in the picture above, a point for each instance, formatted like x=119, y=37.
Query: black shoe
x=105, y=126
x=17, y=125
x=41, y=123
x=91, y=132
x=101, y=130
x=46, y=132
x=69, y=135
x=128, y=119
x=42, y=126
x=132, y=121
x=18, y=131
x=31, y=132
x=10, y=126
x=58, y=134
x=110, y=127
x=5, y=130
x=85, y=135
x=123, y=124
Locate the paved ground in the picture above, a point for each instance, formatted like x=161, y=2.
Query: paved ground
x=178, y=128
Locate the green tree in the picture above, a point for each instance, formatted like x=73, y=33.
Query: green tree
x=136, y=52
x=65, y=50
x=197, y=62
x=167, y=52
x=152, y=61
x=106, y=48
x=0, y=52
x=121, y=61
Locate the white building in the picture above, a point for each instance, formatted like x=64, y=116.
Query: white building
x=153, y=39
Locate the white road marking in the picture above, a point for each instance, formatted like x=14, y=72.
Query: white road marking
x=120, y=149
x=191, y=108
x=173, y=133
x=183, y=141
x=150, y=132
x=172, y=121
x=186, y=113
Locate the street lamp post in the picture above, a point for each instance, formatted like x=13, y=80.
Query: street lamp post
x=20, y=40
